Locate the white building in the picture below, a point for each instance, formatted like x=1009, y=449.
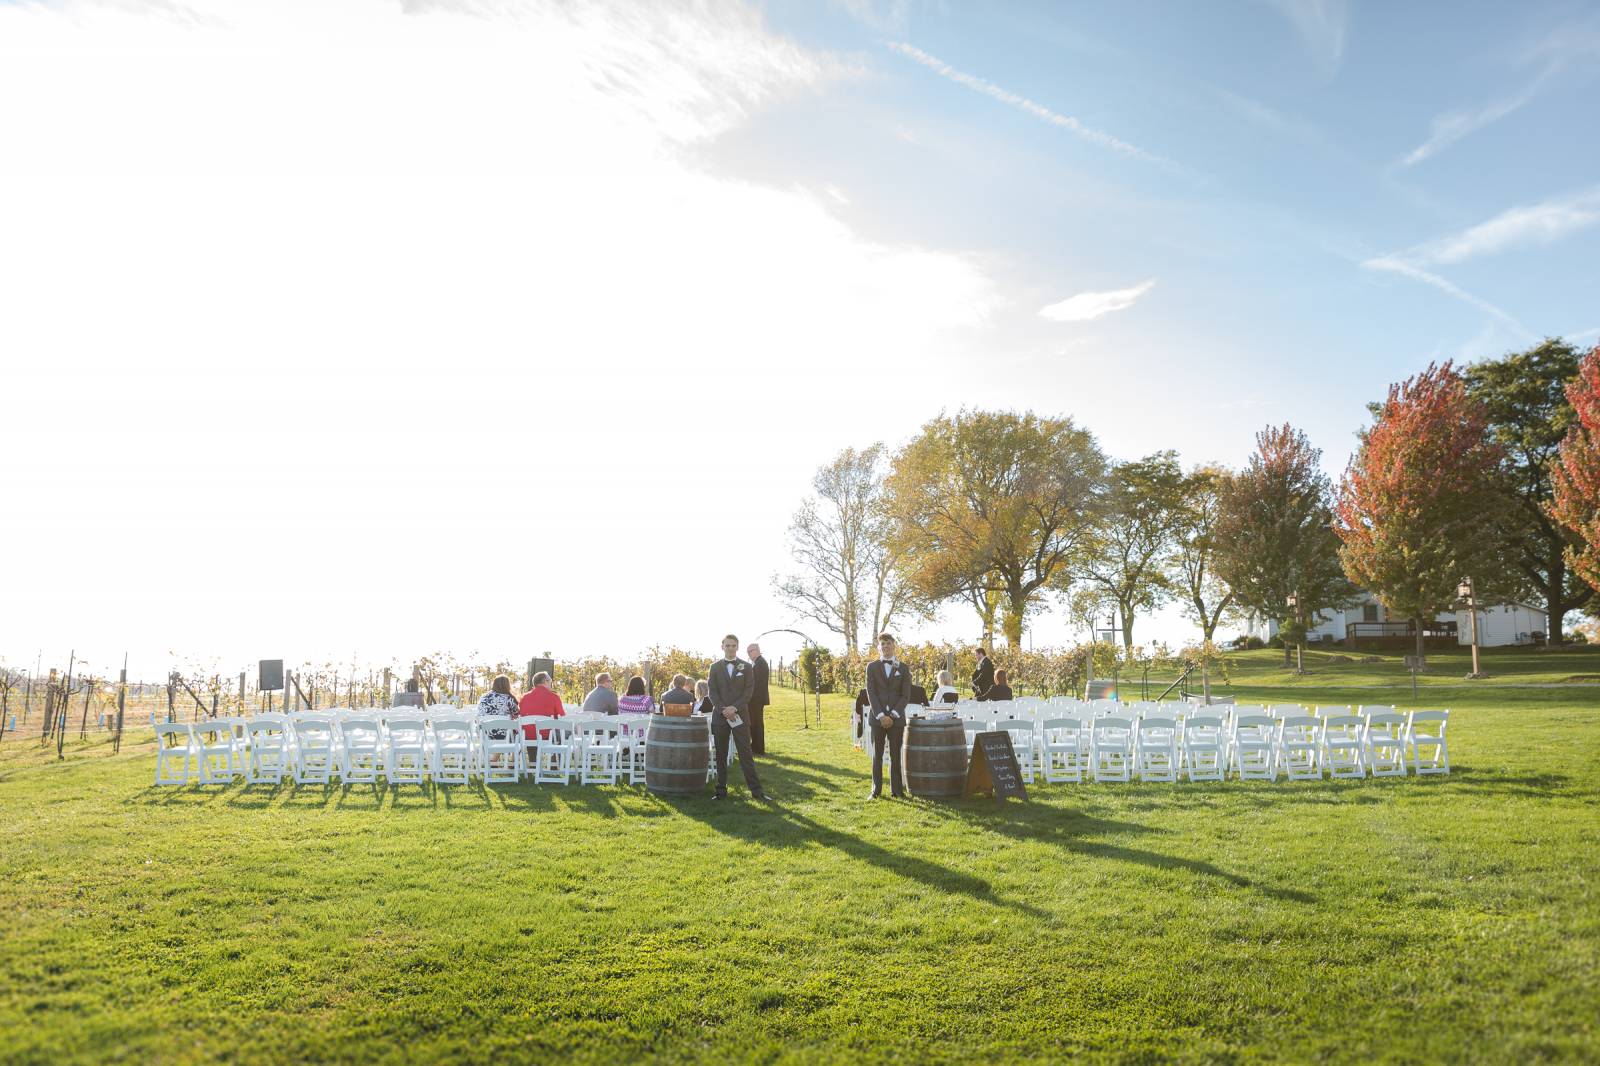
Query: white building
x=1498, y=626
x=1510, y=623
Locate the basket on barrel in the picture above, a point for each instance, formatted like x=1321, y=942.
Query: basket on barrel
x=677, y=754
x=935, y=758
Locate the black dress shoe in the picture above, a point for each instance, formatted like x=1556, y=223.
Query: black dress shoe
x=874, y=794
x=899, y=795
x=760, y=796
x=719, y=795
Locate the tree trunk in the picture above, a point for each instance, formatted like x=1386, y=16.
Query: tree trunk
x=1127, y=626
x=1016, y=608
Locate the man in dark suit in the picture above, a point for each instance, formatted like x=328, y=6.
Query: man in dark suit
x=888, y=693
x=730, y=680
x=760, y=696
x=983, y=676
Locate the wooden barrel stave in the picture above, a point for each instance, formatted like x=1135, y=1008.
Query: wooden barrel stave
x=677, y=755
x=935, y=758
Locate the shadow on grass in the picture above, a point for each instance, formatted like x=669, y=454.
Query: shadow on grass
x=1066, y=830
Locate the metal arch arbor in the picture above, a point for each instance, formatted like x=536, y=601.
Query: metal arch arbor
x=805, y=715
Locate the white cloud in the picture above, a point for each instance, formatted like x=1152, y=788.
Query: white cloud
x=1528, y=225
x=1452, y=126
x=1022, y=103
x=1395, y=265
x=1574, y=44
x=1321, y=26
x=1535, y=224
x=298, y=269
x=1087, y=306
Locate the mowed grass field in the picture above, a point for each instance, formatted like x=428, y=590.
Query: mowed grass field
x=1447, y=919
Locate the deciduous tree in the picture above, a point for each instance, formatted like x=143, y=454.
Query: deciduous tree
x=1206, y=597
x=850, y=580
x=1575, y=501
x=998, y=501
x=1144, y=508
x=1525, y=395
x=1274, y=533
x=1417, y=510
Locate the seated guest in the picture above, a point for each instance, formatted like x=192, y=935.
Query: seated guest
x=1000, y=690
x=540, y=701
x=946, y=692
x=702, y=697
x=498, y=700
x=602, y=699
x=410, y=697
x=637, y=701
x=678, y=694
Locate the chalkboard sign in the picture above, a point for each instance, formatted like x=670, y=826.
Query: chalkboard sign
x=993, y=767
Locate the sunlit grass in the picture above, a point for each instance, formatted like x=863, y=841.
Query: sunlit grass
x=1410, y=920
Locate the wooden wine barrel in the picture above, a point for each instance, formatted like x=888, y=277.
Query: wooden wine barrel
x=935, y=758
x=677, y=753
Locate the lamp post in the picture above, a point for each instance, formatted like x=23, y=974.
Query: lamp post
x=1300, y=645
x=1466, y=592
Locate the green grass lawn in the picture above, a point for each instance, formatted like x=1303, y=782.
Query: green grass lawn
x=1451, y=919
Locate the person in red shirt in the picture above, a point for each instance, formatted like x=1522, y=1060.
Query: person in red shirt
x=540, y=700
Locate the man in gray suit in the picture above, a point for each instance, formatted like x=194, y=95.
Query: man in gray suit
x=888, y=693
x=602, y=699
x=731, y=680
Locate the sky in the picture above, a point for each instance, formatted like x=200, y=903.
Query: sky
x=361, y=329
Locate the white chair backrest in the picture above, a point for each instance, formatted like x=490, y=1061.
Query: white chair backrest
x=1253, y=727
x=1385, y=723
x=1428, y=718
x=266, y=727
x=174, y=734
x=1156, y=724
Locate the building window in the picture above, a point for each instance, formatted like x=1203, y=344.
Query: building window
x=1369, y=612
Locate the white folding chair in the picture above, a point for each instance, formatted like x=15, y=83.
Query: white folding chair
x=551, y=746
x=1021, y=731
x=1062, y=745
x=1425, y=740
x=176, y=743
x=1299, y=747
x=1253, y=743
x=270, y=749
x=218, y=750
x=599, y=752
x=1155, y=748
x=1203, y=748
x=360, y=747
x=314, y=760
x=451, y=750
x=1343, y=744
x=632, y=739
x=500, y=748
x=405, y=749
x=1111, y=748
x=1383, y=743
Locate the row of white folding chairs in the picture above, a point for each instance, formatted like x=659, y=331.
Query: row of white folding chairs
x=400, y=746
x=1251, y=746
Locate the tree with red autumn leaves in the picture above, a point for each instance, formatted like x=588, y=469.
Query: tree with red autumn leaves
x=1576, y=479
x=1416, y=505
